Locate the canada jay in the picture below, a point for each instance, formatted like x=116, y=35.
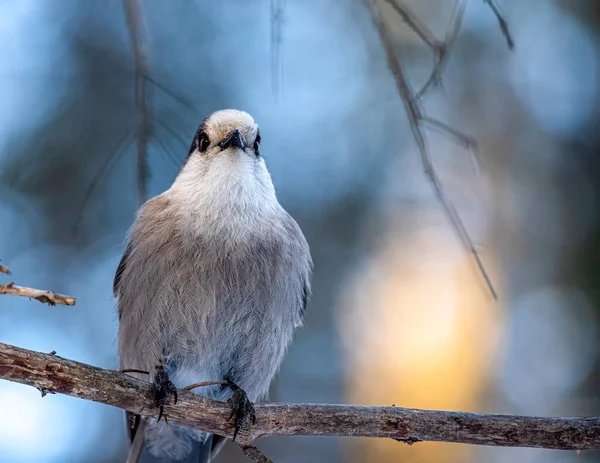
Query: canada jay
x=212, y=284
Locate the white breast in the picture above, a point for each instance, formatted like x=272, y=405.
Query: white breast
x=231, y=194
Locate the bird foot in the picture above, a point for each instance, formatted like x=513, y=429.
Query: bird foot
x=241, y=408
x=163, y=387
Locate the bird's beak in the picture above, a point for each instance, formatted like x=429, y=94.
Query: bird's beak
x=233, y=139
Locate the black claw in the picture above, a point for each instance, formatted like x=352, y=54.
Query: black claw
x=241, y=408
x=163, y=387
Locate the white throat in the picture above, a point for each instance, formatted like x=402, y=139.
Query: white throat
x=232, y=194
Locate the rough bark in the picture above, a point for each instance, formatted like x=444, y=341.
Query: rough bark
x=53, y=374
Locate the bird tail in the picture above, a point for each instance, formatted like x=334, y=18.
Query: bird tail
x=157, y=443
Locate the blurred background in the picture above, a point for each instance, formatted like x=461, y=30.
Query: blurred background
x=400, y=314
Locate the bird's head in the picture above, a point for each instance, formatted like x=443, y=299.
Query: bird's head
x=226, y=132
x=224, y=163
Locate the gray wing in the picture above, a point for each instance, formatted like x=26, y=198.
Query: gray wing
x=303, y=263
x=121, y=269
x=305, y=297
x=119, y=274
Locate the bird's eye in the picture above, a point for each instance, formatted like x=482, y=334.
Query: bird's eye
x=203, y=142
x=257, y=144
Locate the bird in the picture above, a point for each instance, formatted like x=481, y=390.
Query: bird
x=212, y=285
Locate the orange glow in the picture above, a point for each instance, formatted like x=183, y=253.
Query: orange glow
x=419, y=331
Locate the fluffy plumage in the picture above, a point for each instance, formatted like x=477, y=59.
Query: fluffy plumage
x=214, y=279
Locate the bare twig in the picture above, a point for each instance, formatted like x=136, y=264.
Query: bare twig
x=171, y=92
x=444, y=50
x=277, y=17
x=175, y=136
x=62, y=376
x=116, y=153
x=466, y=141
x=46, y=297
x=415, y=117
x=4, y=270
x=169, y=153
x=135, y=26
x=416, y=25
x=503, y=24
x=440, y=49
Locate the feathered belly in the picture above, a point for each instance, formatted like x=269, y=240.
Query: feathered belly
x=210, y=308
x=224, y=318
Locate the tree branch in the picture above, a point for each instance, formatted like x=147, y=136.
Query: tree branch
x=415, y=118
x=4, y=270
x=44, y=296
x=52, y=374
x=277, y=19
x=503, y=24
x=135, y=25
x=444, y=50
x=416, y=25
x=469, y=143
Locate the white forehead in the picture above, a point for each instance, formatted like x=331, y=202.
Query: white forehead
x=230, y=118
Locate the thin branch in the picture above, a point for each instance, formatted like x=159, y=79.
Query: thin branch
x=503, y=23
x=4, y=270
x=277, y=18
x=169, y=154
x=170, y=92
x=54, y=374
x=116, y=153
x=444, y=51
x=135, y=26
x=416, y=25
x=415, y=117
x=46, y=297
x=465, y=140
x=174, y=116
x=173, y=134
